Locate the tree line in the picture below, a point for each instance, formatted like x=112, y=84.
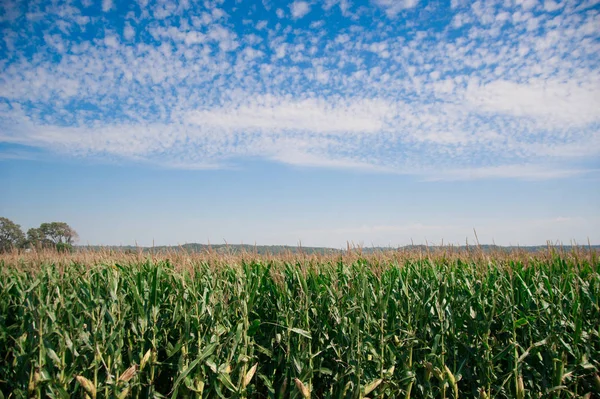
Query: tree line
x=58, y=235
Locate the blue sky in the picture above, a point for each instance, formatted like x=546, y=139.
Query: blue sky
x=374, y=121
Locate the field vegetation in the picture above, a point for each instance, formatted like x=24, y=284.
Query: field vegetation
x=417, y=324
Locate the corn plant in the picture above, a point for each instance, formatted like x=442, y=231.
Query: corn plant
x=300, y=327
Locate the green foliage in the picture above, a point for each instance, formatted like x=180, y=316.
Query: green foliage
x=56, y=234
x=421, y=329
x=11, y=235
x=64, y=247
x=37, y=239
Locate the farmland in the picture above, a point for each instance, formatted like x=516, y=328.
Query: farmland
x=419, y=324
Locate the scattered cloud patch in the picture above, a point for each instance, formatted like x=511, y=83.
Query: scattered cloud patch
x=551, y=6
x=299, y=9
x=492, y=90
x=107, y=5
x=128, y=32
x=393, y=7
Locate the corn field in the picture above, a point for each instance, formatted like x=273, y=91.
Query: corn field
x=376, y=326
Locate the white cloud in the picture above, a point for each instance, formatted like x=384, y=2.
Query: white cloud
x=554, y=102
x=552, y=6
x=260, y=25
x=107, y=5
x=292, y=156
x=193, y=89
x=128, y=32
x=299, y=9
x=226, y=38
x=527, y=4
x=393, y=7
x=316, y=116
x=111, y=41
x=454, y=4
x=344, y=6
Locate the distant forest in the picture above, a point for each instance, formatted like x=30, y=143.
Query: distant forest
x=280, y=249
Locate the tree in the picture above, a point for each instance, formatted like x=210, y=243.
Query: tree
x=59, y=233
x=37, y=239
x=56, y=234
x=11, y=235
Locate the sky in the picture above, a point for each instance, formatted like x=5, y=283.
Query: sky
x=374, y=122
